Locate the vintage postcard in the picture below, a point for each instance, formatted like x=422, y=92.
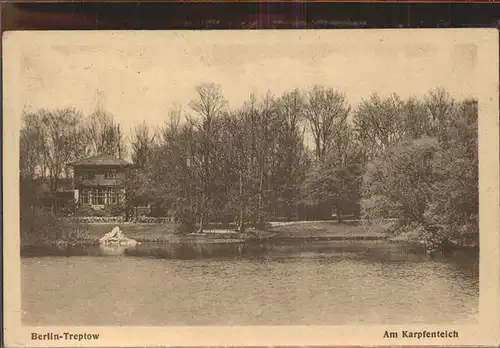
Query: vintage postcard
x=251, y=188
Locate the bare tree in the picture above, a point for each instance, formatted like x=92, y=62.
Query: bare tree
x=379, y=123
x=240, y=149
x=326, y=110
x=142, y=143
x=290, y=132
x=264, y=127
x=104, y=133
x=327, y=114
x=208, y=107
x=142, y=146
x=439, y=103
x=63, y=141
x=32, y=145
x=417, y=122
x=172, y=125
x=441, y=108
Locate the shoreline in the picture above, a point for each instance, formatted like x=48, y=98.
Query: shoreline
x=277, y=233
x=271, y=240
x=164, y=233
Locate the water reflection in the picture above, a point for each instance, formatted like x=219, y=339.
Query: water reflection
x=369, y=251
x=322, y=283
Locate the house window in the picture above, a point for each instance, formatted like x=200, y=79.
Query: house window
x=111, y=174
x=99, y=197
x=88, y=176
x=113, y=196
x=85, y=197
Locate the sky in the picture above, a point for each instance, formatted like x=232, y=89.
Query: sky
x=144, y=74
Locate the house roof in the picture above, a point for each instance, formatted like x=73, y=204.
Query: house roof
x=100, y=160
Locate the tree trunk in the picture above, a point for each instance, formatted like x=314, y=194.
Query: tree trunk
x=205, y=187
x=260, y=220
x=202, y=213
x=241, y=227
x=339, y=214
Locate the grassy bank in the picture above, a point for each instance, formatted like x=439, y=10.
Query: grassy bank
x=49, y=231
x=159, y=232
x=89, y=233
x=331, y=229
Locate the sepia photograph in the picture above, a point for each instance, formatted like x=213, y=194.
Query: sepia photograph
x=271, y=179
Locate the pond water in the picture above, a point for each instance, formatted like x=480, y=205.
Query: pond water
x=326, y=283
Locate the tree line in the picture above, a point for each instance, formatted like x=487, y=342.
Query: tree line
x=304, y=154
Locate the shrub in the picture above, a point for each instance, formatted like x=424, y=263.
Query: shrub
x=157, y=210
x=98, y=212
x=186, y=227
x=40, y=227
x=153, y=220
x=400, y=182
x=377, y=207
x=98, y=219
x=115, y=209
x=187, y=223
